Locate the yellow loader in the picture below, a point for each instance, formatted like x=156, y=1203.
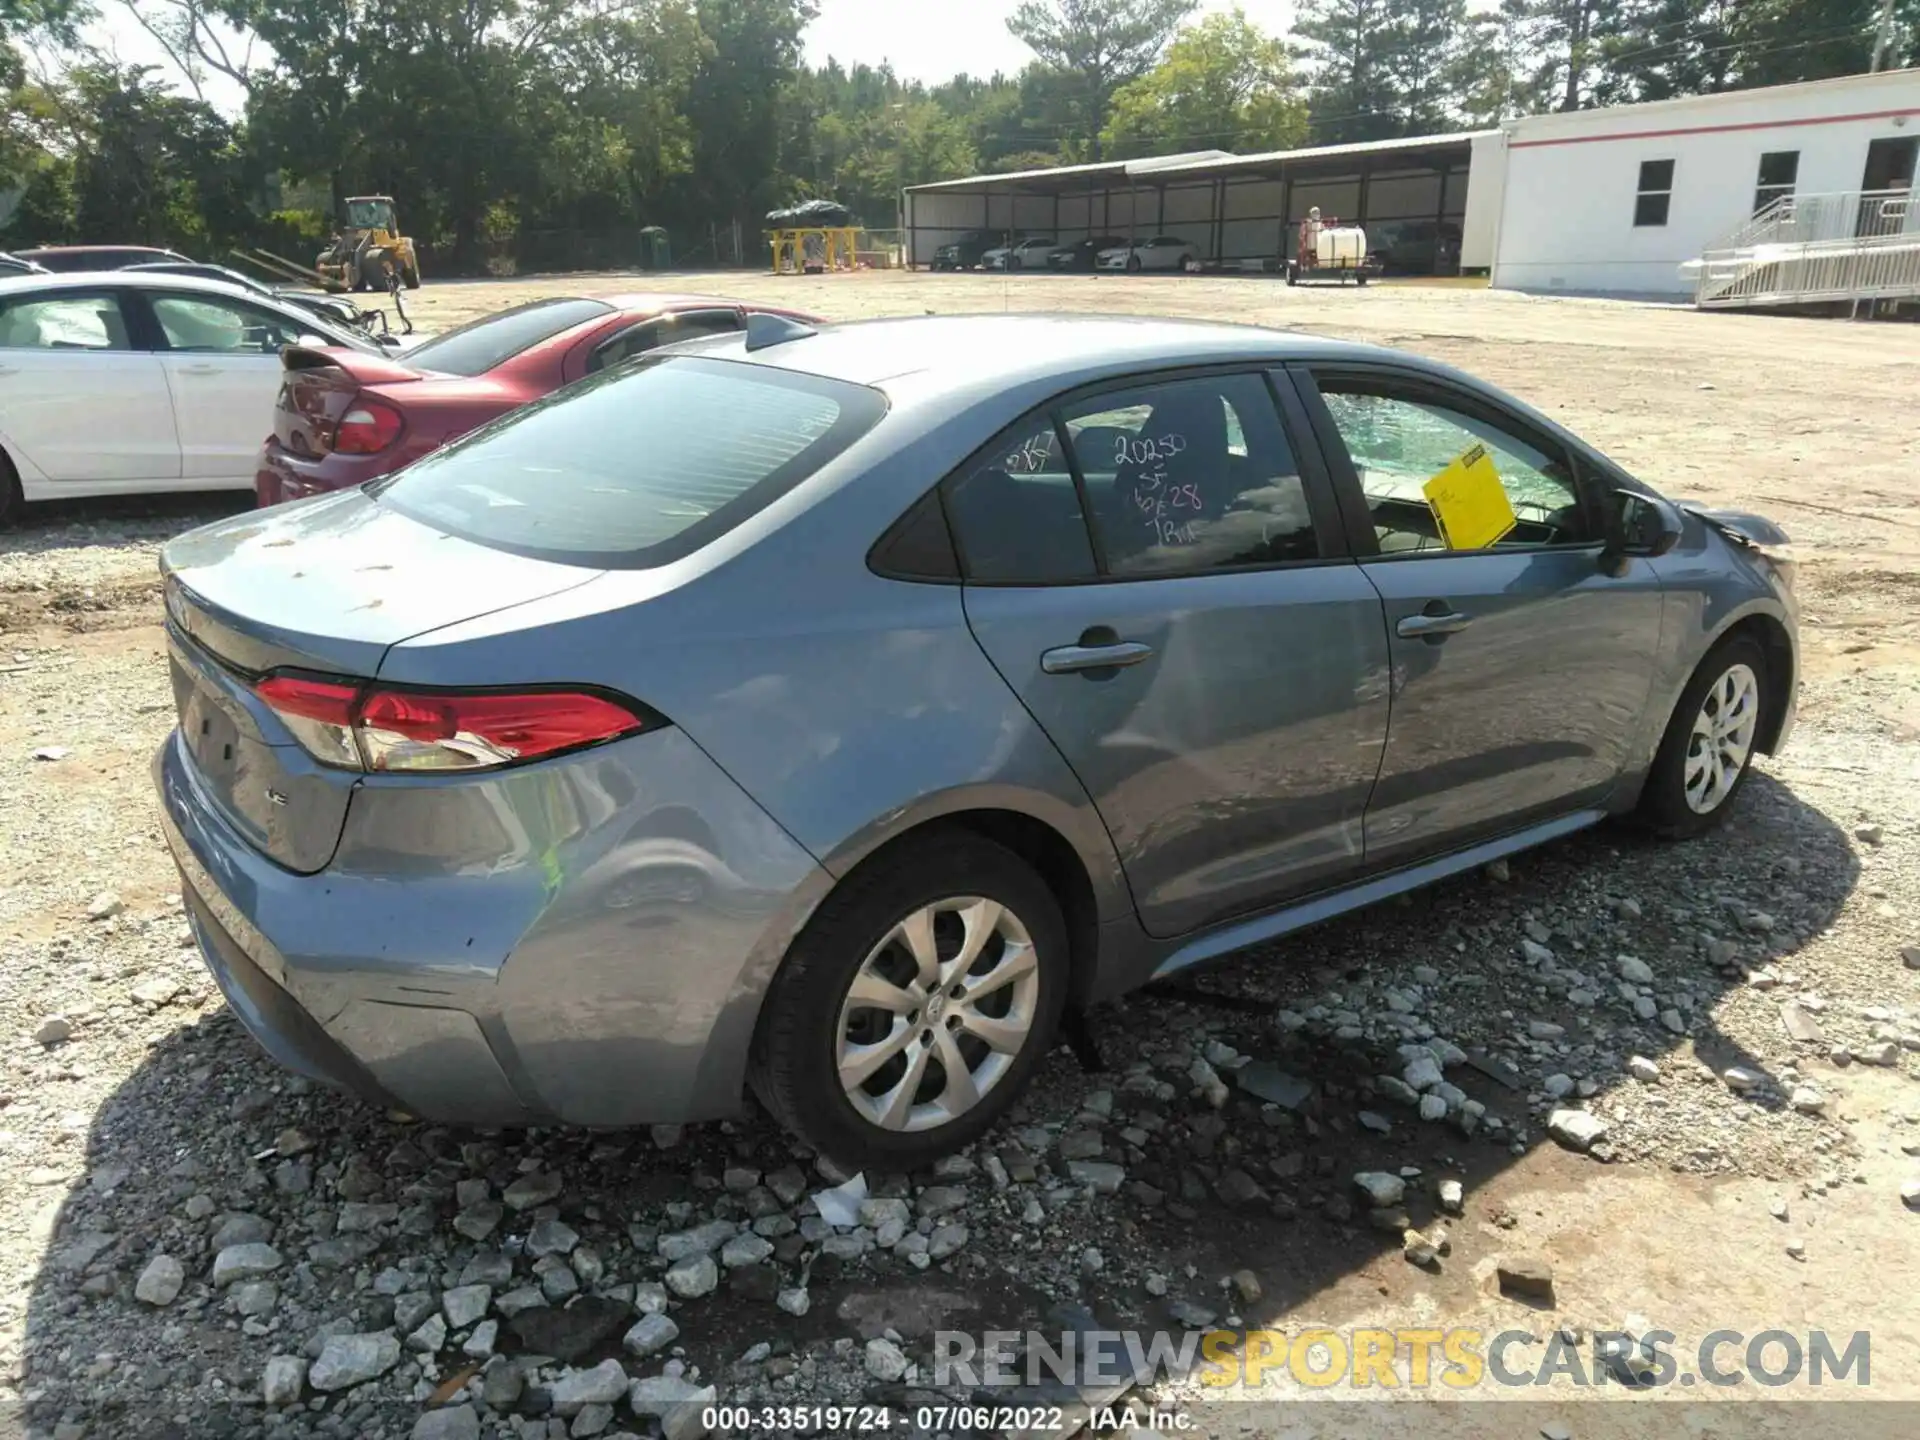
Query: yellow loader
x=368, y=252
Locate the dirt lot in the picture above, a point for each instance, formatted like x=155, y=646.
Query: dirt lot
x=141, y=1134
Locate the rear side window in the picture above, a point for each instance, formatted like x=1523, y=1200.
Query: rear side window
x=1016, y=511
x=479, y=345
x=667, y=330
x=638, y=466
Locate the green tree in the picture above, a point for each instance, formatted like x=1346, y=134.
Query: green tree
x=735, y=104
x=1423, y=63
x=1665, y=48
x=1351, y=49
x=1224, y=84
x=1492, y=75
x=1571, y=39
x=55, y=17
x=1099, y=45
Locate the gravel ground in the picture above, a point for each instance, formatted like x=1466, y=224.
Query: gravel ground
x=1657, y=1069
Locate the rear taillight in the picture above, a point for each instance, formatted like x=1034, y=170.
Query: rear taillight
x=378, y=728
x=368, y=427
x=318, y=712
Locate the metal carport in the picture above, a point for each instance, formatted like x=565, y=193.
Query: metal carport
x=1240, y=210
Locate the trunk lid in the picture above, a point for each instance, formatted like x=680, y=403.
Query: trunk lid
x=318, y=389
x=326, y=587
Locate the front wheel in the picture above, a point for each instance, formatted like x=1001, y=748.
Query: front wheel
x=914, y=1008
x=411, y=277
x=1704, y=756
x=1133, y=262
x=12, y=502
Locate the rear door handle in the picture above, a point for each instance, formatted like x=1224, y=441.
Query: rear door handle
x=1066, y=659
x=1432, y=626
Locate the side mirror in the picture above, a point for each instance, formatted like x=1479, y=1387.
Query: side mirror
x=1639, y=525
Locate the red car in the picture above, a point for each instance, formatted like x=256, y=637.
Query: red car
x=344, y=418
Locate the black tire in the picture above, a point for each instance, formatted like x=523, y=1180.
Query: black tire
x=1361, y=278
x=794, y=1070
x=1133, y=262
x=13, y=504
x=1293, y=272
x=410, y=276
x=1664, y=807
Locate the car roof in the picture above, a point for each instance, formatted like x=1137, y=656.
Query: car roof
x=669, y=300
x=123, y=279
x=98, y=250
x=952, y=352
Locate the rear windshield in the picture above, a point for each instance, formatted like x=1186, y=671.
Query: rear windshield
x=479, y=345
x=635, y=466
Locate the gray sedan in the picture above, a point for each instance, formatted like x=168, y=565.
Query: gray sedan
x=825, y=713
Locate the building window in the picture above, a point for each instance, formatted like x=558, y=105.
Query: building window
x=1779, y=169
x=1656, y=192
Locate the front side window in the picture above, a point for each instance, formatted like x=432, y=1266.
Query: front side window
x=66, y=321
x=1655, y=195
x=211, y=324
x=637, y=466
x=1779, y=173
x=1191, y=475
x=1400, y=442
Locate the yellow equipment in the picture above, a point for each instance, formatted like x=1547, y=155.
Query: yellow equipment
x=813, y=249
x=368, y=252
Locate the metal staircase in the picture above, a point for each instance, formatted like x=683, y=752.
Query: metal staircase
x=1857, y=245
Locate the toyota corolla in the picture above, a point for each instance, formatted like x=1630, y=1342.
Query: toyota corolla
x=823, y=713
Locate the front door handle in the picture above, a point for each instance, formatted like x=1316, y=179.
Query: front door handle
x=1066, y=659
x=203, y=368
x=1434, y=623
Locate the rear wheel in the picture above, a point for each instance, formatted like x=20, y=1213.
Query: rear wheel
x=916, y=1005
x=1704, y=756
x=411, y=276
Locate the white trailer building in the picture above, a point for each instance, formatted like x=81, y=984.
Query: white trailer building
x=1614, y=201
x=1608, y=202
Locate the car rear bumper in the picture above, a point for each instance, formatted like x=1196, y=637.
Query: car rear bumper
x=281, y=475
x=586, y=941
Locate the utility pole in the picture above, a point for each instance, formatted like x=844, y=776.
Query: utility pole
x=1883, y=41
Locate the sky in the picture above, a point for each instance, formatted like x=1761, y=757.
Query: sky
x=930, y=40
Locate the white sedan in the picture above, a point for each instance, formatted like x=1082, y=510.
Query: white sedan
x=117, y=383
x=1030, y=254
x=1162, y=252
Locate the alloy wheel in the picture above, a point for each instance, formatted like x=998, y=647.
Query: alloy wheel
x=1722, y=739
x=937, y=1013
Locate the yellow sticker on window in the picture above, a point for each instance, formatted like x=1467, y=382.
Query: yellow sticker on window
x=1469, y=502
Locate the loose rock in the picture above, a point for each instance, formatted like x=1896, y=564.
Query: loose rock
x=885, y=1360
x=349, y=1360
x=458, y=1423
x=1576, y=1129
x=283, y=1380
x=159, y=1284
x=1527, y=1277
